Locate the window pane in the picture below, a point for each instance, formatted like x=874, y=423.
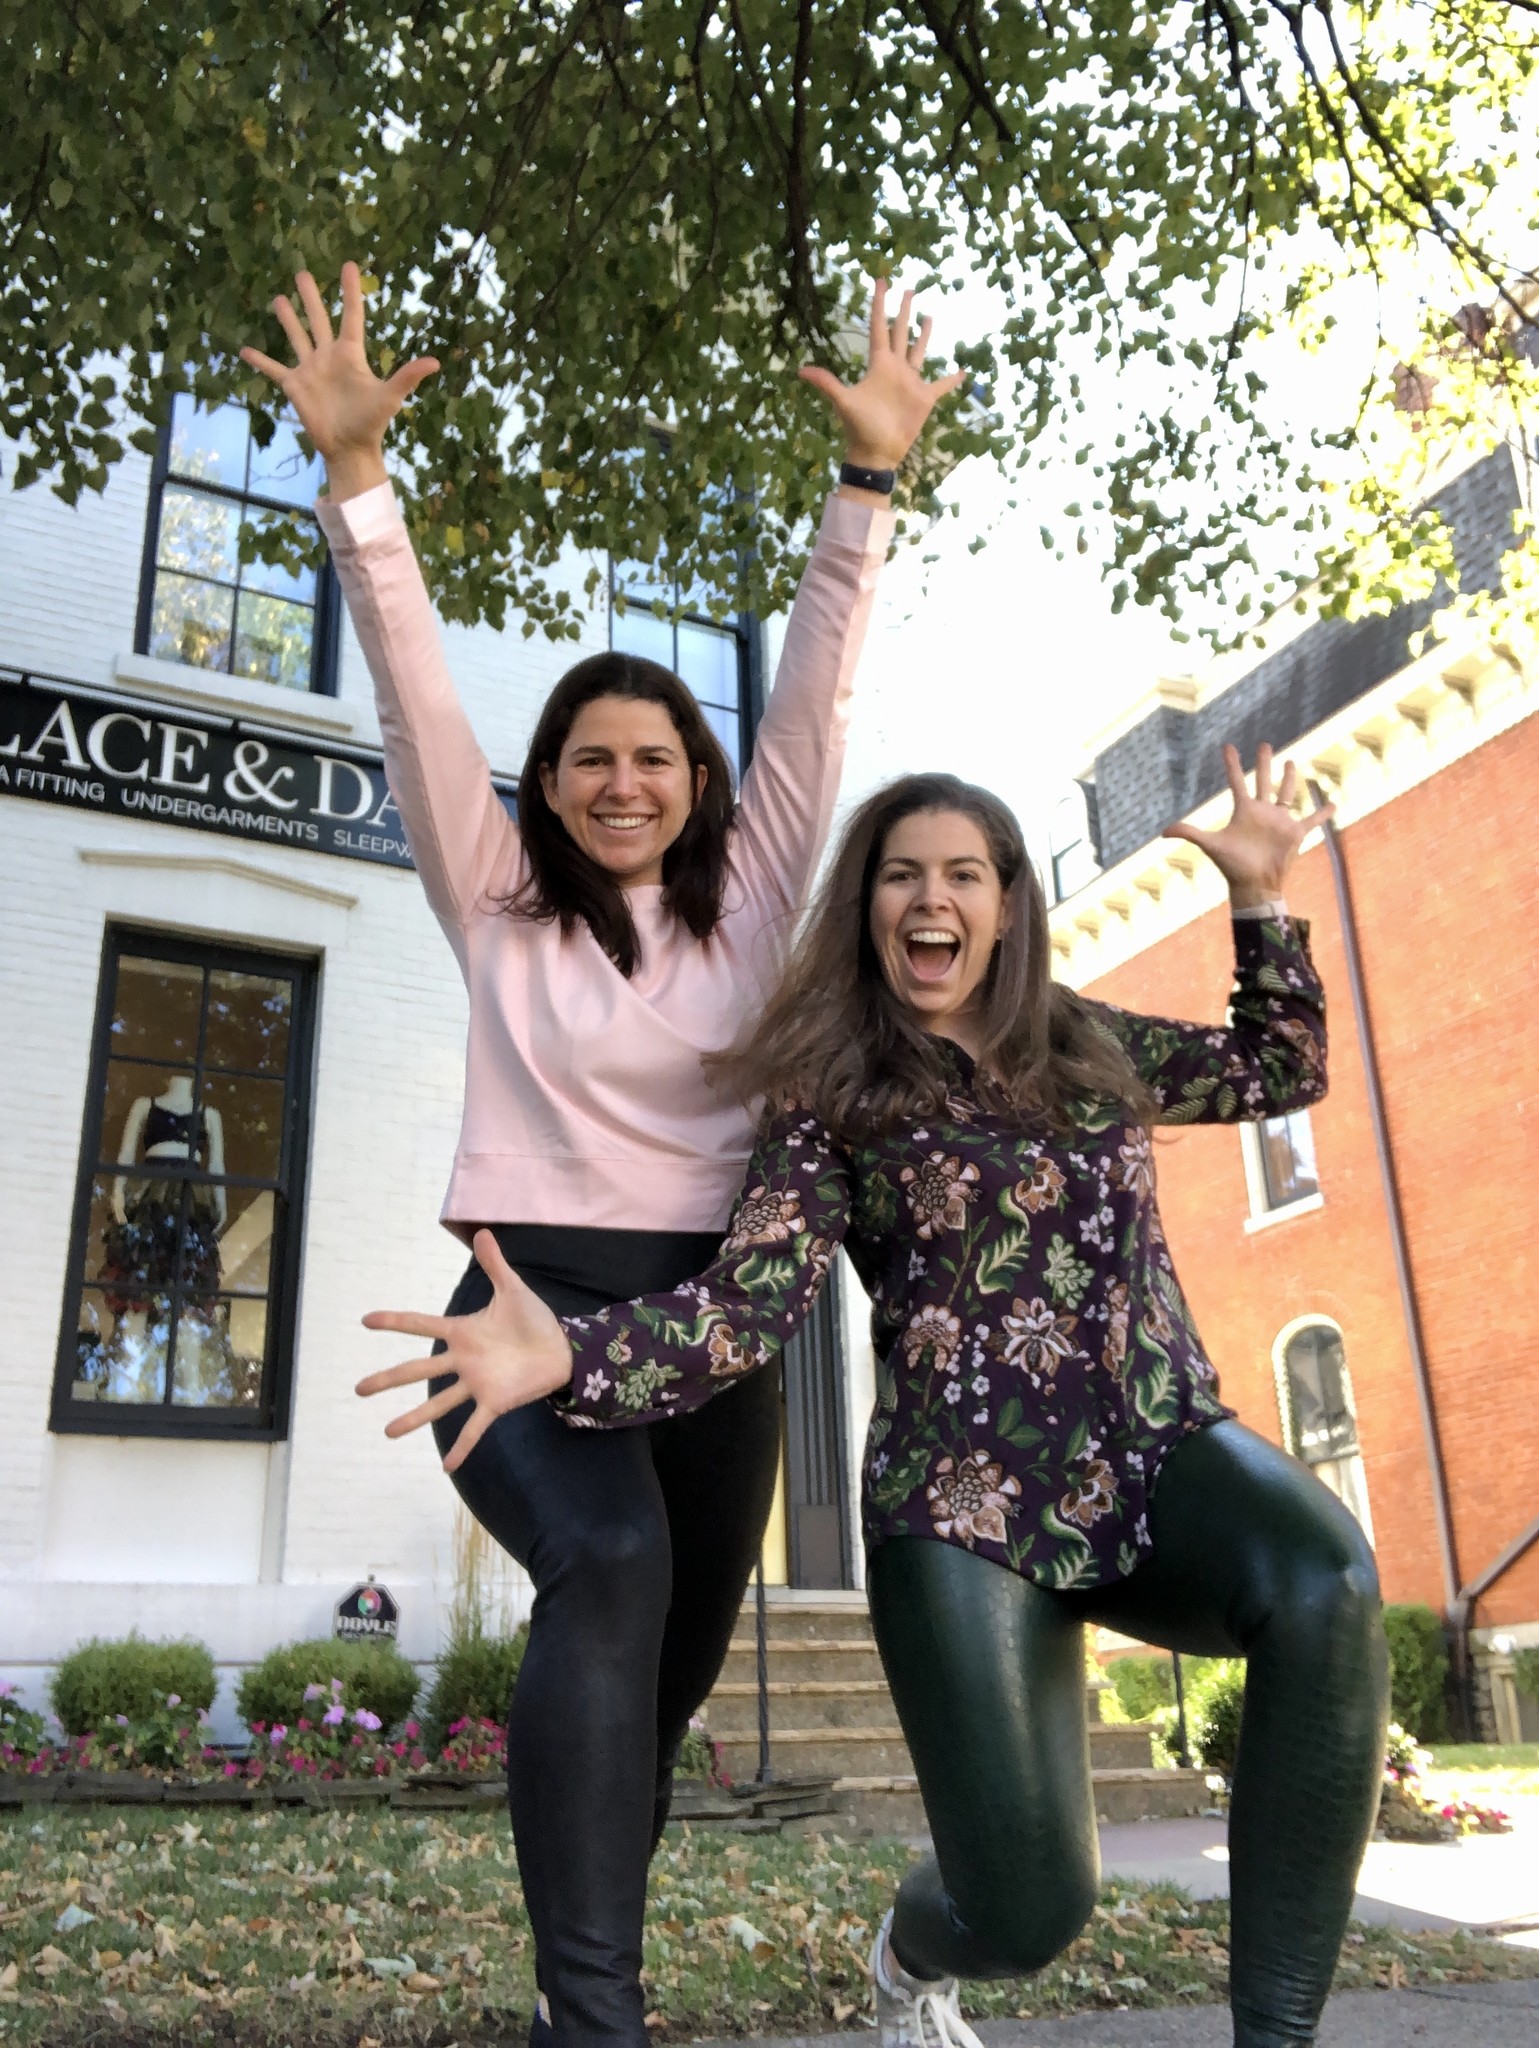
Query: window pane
x=1288, y=1158
x=210, y=444
x=639, y=633
x=121, y=1346
x=214, y=1365
x=727, y=729
x=1322, y=1414
x=282, y=470
x=190, y=622
x=246, y=1118
x=246, y=1243
x=708, y=662
x=198, y=534
x=151, y=1106
x=269, y=577
x=274, y=640
x=1073, y=867
x=249, y=1016
x=132, y=1233
x=155, y=1015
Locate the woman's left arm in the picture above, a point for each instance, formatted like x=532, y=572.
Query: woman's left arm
x=661, y=1355
x=792, y=782
x=1269, y=1058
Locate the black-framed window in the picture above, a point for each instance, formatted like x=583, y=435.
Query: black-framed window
x=200, y=602
x=1071, y=845
x=1285, y=1159
x=179, y=1300
x=1319, y=1414
x=717, y=658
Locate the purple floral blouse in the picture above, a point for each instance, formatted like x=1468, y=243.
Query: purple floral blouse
x=1036, y=1357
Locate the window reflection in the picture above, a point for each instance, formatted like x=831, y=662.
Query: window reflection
x=185, y=1208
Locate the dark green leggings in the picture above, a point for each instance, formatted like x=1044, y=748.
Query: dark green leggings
x=1252, y=1557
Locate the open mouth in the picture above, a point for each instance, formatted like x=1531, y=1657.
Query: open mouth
x=930, y=953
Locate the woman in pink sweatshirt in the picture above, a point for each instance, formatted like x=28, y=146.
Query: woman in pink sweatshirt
x=634, y=920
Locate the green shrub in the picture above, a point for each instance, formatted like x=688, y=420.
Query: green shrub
x=473, y=1681
x=99, y=1680
x=1142, y=1684
x=1418, y=1667
x=373, y=1674
x=1525, y=1672
x=1214, y=1699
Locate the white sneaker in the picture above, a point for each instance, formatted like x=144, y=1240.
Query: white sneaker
x=915, y=2012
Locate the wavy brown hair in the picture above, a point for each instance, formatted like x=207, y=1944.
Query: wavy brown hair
x=837, y=1039
x=567, y=884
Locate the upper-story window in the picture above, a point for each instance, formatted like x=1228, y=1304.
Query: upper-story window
x=717, y=658
x=200, y=602
x=1280, y=1169
x=1071, y=845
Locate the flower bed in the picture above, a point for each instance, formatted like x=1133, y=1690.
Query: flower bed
x=1407, y=1814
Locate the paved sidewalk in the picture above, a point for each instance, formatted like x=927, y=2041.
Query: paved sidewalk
x=1440, y=2016
x=1484, y=1881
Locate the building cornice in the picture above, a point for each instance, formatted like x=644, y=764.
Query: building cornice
x=1391, y=739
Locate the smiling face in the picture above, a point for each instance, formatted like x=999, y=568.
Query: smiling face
x=937, y=909
x=623, y=786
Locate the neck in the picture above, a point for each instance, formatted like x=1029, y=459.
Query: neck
x=178, y=1092
x=963, y=1028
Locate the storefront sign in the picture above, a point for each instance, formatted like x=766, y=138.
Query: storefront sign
x=124, y=758
x=366, y=1611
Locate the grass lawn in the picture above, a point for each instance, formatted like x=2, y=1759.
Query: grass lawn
x=382, y=1931
x=1490, y=1773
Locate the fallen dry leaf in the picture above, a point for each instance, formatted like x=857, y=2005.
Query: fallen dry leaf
x=8, y=1977
x=422, y=1982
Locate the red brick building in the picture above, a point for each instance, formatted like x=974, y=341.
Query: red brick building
x=1285, y=1236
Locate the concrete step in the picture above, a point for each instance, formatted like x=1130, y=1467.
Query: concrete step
x=840, y=1729
x=831, y=1617
x=872, y=1750
x=874, y=1804
x=803, y=1658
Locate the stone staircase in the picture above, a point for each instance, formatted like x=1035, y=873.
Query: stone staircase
x=832, y=1724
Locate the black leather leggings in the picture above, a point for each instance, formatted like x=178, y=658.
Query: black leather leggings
x=640, y=1543
x=1252, y=1557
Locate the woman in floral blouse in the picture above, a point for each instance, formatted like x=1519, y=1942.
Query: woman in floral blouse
x=1049, y=1447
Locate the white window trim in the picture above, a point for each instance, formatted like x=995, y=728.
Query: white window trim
x=1302, y=1207
x=1262, y=1216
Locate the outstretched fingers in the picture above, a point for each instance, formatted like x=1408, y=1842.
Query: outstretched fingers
x=916, y=354
x=352, y=304
x=277, y=371
x=406, y=1323
x=477, y=1424
x=315, y=307
x=407, y=1375
x=444, y=1402
x=293, y=327
x=877, y=326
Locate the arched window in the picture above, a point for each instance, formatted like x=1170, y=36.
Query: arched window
x=1071, y=844
x=1319, y=1416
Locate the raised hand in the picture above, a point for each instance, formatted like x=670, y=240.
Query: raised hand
x=1255, y=849
x=883, y=413
x=504, y=1356
x=341, y=404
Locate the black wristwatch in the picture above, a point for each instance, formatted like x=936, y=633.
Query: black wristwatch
x=860, y=479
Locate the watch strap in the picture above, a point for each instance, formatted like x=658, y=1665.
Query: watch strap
x=859, y=479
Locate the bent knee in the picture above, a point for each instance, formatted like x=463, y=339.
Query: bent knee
x=1026, y=1926
x=624, y=1565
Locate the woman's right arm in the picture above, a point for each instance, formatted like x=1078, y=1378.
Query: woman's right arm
x=463, y=842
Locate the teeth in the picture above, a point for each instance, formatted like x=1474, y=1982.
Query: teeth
x=933, y=938
x=624, y=824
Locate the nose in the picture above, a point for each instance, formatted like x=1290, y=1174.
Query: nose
x=622, y=783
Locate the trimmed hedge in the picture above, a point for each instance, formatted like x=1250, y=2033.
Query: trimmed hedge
x=1142, y=1685
x=1213, y=1703
x=373, y=1674
x=1418, y=1668
x=102, y=1678
x=473, y=1681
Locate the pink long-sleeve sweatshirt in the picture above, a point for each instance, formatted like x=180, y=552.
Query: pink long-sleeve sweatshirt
x=585, y=1103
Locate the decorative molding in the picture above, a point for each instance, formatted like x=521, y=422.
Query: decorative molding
x=225, y=696
x=218, y=864
x=1394, y=737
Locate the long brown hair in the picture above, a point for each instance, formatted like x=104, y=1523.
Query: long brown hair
x=837, y=1039
x=566, y=883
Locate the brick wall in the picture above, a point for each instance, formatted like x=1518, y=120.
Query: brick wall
x=1448, y=908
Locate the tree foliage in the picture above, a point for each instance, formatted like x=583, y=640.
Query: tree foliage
x=604, y=217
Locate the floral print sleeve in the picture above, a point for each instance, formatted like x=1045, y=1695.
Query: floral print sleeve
x=1268, y=1060
x=645, y=1360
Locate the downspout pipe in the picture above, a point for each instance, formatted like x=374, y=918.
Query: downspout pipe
x=1389, y=1183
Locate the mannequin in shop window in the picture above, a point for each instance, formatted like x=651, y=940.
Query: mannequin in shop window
x=151, y=1213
